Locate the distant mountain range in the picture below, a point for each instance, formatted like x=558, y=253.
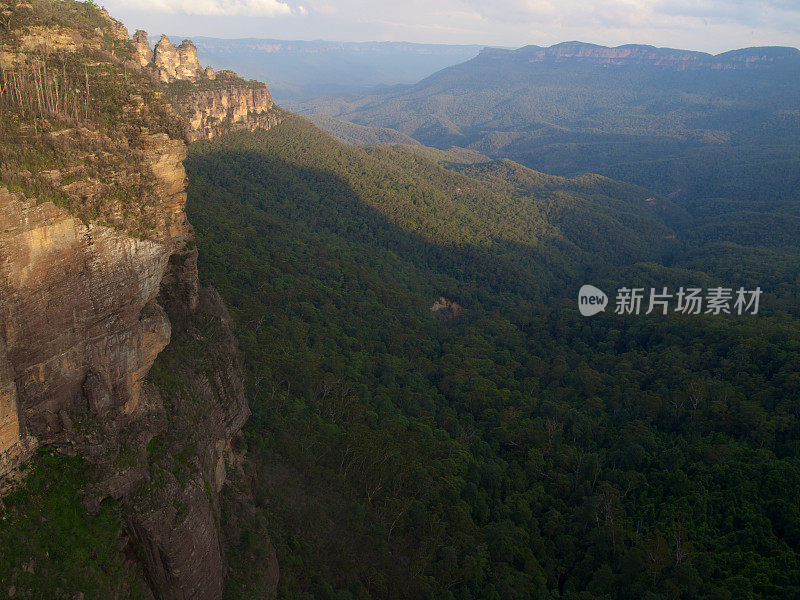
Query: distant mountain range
x=536, y=105
x=717, y=134
x=633, y=54
x=303, y=70
x=720, y=135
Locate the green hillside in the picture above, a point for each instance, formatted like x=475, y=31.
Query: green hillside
x=716, y=137
x=510, y=448
x=350, y=133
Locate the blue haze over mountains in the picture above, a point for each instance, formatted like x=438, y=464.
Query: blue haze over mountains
x=717, y=135
x=298, y=71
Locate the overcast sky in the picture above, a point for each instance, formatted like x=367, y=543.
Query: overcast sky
x=709, y=25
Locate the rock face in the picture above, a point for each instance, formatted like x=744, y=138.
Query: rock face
x=218, y=102
x=144, y=52
x=231, y=105
x=176, y=523
x=446, y=310
x=176, y=63
x=82, y=322
x=98, y=280
x=169, y=62
x=81, y=325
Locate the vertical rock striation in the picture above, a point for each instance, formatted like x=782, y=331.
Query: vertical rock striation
x=211, y=103
x=176, y=63
x=232, y=104
x=80, y=320
x=144, y=52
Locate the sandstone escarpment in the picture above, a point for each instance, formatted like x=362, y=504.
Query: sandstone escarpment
x=98, y=280
x=82, y=324
x=231, y=104
x=211, y=103
x=79, y=304
x=173, y=518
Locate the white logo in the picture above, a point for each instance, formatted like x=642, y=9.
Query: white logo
x=687, y=301
x=591, y=300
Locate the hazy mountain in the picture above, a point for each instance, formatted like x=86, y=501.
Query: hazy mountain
x=719, y=134
x=303, y=70
x=505, y=100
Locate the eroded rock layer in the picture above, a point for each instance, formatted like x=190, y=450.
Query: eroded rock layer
x=231, y=105
x=636, y=54
x=211, y=103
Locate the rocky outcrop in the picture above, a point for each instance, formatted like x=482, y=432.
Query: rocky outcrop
x=144, y=52
x=169, y=62
x=217, y=102
x=446, y=310
x=80, y=322
x=230, y=105
x=632, y=54
x=173, y=518
x=176, y=63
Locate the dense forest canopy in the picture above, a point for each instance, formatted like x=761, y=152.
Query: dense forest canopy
x=511, y=448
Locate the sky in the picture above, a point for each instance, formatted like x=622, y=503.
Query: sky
x=707, y=25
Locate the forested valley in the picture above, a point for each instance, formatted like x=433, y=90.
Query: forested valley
x=501, y=445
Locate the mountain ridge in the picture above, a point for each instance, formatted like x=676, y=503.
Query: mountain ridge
x=627, y=54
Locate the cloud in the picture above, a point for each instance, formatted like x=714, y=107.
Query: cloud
x=564, y=13
x=250, y=8
x=639, y=20
x=710, y=25
x=730, y=11
x=762, y=14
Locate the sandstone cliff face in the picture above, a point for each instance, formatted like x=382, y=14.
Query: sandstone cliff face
x=144, y=52
x=82, y=323
x=217, y=102
x=79, y=306
x=169, y=62
x=230, y=106
x=73, y=302
x=173, y=517
x=176, y=63
x=98, y=278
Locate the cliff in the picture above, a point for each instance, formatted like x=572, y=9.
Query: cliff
x=98, y=276
x=211, y=103
x=228, y=103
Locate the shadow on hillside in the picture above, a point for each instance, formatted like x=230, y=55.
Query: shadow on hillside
x=227, y=184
